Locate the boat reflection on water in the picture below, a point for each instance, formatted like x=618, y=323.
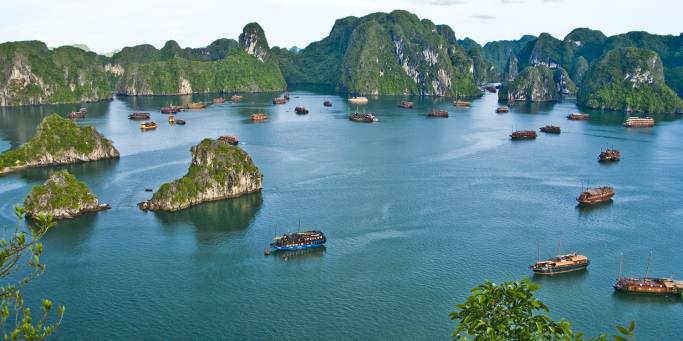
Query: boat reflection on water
x=299, y=255
x=588, y=209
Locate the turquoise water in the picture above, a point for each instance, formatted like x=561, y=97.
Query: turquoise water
x=417, y=211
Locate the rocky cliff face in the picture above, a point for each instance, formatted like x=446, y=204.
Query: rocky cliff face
x=58, y=141
x=32, y=74
x=218, y=171
x=537, y=84
x=385, y=54
x=61, y=196
x=629, y=79
x=253, y=41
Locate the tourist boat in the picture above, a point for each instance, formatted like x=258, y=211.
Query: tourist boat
x=298, y=240
x=219, y=100
x=259, y=117
x=502, y=109
x=180, y=122
x=609, y=155
x=139, y=116
x=235, y=98
x=196, y=105
x=578, y=117
x=647, y=285
x=461, y=103
x=363, y=117
x=327, y=103
x=171, y=109
x=279, y=101
x=560, y=264
x=550, y=129
x=358, y=100
x=148, y=125
x=639, y=122
x=595, y=195
x=405, y=105
x=523, y=135
x=438, y=113
x=301, y=110
x=171, y=119
x=76, y=115
x=230, y=139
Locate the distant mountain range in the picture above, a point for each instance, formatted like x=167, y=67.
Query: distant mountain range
x=393, y=53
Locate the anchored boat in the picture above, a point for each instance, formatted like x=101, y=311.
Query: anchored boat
x=77, y=114
x=647, y=285
x=405, y=105
x=358, y=100
x=219, y=100
x=196, y=105
x=609, y=155
x=139, y=116
x=578, y=117
x=171, y=109
x=438, y=113
x=502, y=109
x=259, y=117
x=560, y=264
x=595, y=195
x=363, y=117
x=148, y=125
x=523, y=135
x=230, y=139
x=327, y=103
x=638, y=122
x=298, y=240
x=461, y=103
x=301, y=110
x=235, y=98
x=551, y=129
x=279, y=101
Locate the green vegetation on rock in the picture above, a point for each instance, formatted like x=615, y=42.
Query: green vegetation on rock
x=629, y=79
x=30, y=73
x=61, y=196
x=218, y=171
x=538, y=84
x=58, y=141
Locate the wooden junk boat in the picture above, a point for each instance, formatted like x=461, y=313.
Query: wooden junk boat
x=609, y=155
x=259, y=117
x=298, y=240
x=219, y=100
x=647, y=285
x=461, y=103
x=578, y=117
x=235, y=98
x=358, y=100
x=363, y=117
x=327, y=103
x=279, y=101
x=638, y=122
x=139, y=116
x=502, y=109
x=523, y=135
x=438, y=113
x=595, y=195
x=230, y=139
x=77, y=114
x=171, y=109
x=550, y=129
x=560, y=264
x=301, y=110
x=148, y=125
x=405, y=105
x=196, y=105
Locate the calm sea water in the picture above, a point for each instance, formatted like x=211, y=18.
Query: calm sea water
x=417, y=212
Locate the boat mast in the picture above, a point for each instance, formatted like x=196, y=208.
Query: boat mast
x=647, y=268
x=538, y=250
x=621, y=265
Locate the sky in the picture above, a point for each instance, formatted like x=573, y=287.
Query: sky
x=108, y=25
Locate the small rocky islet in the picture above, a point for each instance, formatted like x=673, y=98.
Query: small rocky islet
x=219, y=170
x=62, y=196
x=58, y=141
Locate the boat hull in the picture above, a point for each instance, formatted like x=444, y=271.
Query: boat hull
x=562, y=270
x=298, y=247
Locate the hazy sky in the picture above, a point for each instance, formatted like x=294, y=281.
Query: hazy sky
x=109, y=25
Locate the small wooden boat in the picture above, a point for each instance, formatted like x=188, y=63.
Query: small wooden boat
x=259, y=117
x=148, y=125
x=74, y=115
x=578, y=117
x=235, y=98
x=609, y=155
x=139, y=116
x=327, y=103
x=229, y=139
x=171, y=109
x=219, y=100
x=502, y=109
x=405, y=105
x=595, y=195
x=639, y=122
x=171, y=119
x=279, y=101
x=551, y=129
x=196, y=105
x=523, y=135
x=180, y=122
x=363, y=117
x=358, y=100
x=301, y=110
x=438, y=113
x=461, y=103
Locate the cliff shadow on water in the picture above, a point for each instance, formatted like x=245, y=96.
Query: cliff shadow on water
x=69, y=234
x=82, y=170
x=214, y=219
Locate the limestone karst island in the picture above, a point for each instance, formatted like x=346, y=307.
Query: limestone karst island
x=407, y=170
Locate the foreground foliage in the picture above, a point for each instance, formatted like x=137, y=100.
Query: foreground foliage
x=511, y=312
